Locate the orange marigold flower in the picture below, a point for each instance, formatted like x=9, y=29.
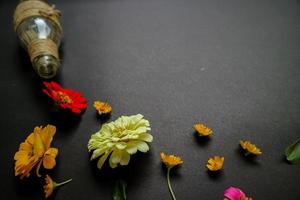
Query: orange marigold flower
x=202, y=129
x=215, y=163
x=65, y=98
x=50, y=185
x=170, y=160
x=102, y=107
x=35, y=151
x=250, y=148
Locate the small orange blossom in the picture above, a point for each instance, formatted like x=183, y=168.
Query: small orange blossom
x=102, y=107
x=250, y=148
x=215, y=163
x=50, y=185
x=202, y=129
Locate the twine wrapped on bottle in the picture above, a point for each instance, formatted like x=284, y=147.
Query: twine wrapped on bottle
x=37, y=25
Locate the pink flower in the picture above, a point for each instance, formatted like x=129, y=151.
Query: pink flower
x=233, y=193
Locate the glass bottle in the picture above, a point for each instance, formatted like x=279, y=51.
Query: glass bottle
x=35, y=28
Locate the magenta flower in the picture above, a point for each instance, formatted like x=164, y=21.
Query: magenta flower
x=233, y=193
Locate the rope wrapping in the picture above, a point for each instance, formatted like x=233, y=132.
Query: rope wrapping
x=37, y=46
x=42, y=47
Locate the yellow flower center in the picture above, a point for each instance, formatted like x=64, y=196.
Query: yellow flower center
x=64, y=98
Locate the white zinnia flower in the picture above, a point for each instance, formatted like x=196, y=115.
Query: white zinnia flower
x=120, y=139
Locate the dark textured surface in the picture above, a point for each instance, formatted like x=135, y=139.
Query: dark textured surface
x=232, y=64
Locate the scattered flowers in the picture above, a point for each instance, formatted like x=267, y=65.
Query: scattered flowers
x=250, y=148
x=233, y=193
x=36, y=151
x=117, y=140
x=51, y=185
x=292, y=152
x=202, y=129
x=215, y=163
x=170, y=161
x=120, y=138
x=102, y=107
x=65, y=98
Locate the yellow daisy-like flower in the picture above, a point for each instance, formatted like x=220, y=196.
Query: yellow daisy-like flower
x=202, y=129
x=250, y=148
x=215, y=163
x=50, y=185
x=35, y=151
x=170, y=160
x=102, y=107
x=120, y=139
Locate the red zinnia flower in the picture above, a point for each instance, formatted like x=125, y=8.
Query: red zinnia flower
x=65, y=98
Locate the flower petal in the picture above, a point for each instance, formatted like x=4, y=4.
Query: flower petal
x=143, y=147
x=102, y=160
x=49, y=158
x=47, y=134
x=98, y=152
x=210, y=167
x=146, y=137
x=38, y=146
x=111, y=164
x=116, y=156
x=125, y=158
x=49, y=162
x=121, y=145
x=131, y=149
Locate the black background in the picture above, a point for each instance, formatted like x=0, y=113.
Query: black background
x=233, y=65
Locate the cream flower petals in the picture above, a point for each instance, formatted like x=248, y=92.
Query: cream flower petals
x=120, y=139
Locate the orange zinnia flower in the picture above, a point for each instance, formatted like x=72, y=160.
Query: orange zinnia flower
x=102, y=107
x=35, y=151
x=65, y=98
